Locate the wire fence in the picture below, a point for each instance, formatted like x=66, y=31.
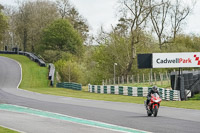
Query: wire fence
x=150, y=78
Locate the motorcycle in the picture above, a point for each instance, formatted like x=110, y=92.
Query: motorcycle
x=154, y=104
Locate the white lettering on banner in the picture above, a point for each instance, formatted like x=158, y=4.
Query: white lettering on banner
x=174, y=60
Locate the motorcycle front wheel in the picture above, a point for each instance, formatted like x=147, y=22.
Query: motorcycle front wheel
x=155, y=111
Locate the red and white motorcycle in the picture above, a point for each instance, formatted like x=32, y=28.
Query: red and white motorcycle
x=154, y=104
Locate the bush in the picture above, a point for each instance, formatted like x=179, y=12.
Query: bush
x=69, y=71
x=196, y=97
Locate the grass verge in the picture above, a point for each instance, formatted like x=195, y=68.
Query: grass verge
x=35, y=79
x=6, y=130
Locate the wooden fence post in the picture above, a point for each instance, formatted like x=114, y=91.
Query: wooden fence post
x=149, y=79
x=132, y=79
x=143, y=78
x=167, y=76
x=161, y=78
x=168, y=79
x=155, y=77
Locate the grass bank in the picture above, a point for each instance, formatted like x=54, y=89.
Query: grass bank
x=35, y=79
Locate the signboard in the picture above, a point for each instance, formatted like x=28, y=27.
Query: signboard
x=144, y=61
x=174, y=60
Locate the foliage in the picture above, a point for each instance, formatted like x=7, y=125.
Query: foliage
x=70, y=71
x=185, y=43
x=116, y=49
x=29, y=20
x=61, y=36
x=79, y=23
x=54, y=55
x=3, y=24
x=67, y=11
x=196, y=97
x=51, y=55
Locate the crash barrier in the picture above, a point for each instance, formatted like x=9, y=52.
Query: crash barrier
x=30, y=55
x=165, y=94
x=69, y=85
x=7, y=52
x=51, y=73
x=35, y=58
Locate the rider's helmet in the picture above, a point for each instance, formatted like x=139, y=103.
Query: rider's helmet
x=154, y=88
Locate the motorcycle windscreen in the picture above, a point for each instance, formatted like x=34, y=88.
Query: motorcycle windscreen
x=156, y=95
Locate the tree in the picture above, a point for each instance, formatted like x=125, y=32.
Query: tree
x=61, y=36
x=42, y=13
x=135, y=13
x=63, y=7
x=31, y=18
x=22, y=22
x=3, y=23
x=158, y=17
x=67, y=11
x=11, y=38
x=162, y=14
x=179, y=13
x=79, y=23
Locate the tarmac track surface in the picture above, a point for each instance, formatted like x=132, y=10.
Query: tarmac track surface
x=169, y=120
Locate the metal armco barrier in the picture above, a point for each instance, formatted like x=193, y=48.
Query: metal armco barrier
x=165, y=94
x=69, y=85
x=35, y=59
x=30, y=55
x=51, y=73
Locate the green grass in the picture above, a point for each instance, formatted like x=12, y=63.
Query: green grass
x=35, y=79
x=5, y=130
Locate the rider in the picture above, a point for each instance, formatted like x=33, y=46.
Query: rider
x=153, y=90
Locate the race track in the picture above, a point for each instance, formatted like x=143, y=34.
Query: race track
x=80, y=115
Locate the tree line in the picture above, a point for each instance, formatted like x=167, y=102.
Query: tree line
x=58, y=33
